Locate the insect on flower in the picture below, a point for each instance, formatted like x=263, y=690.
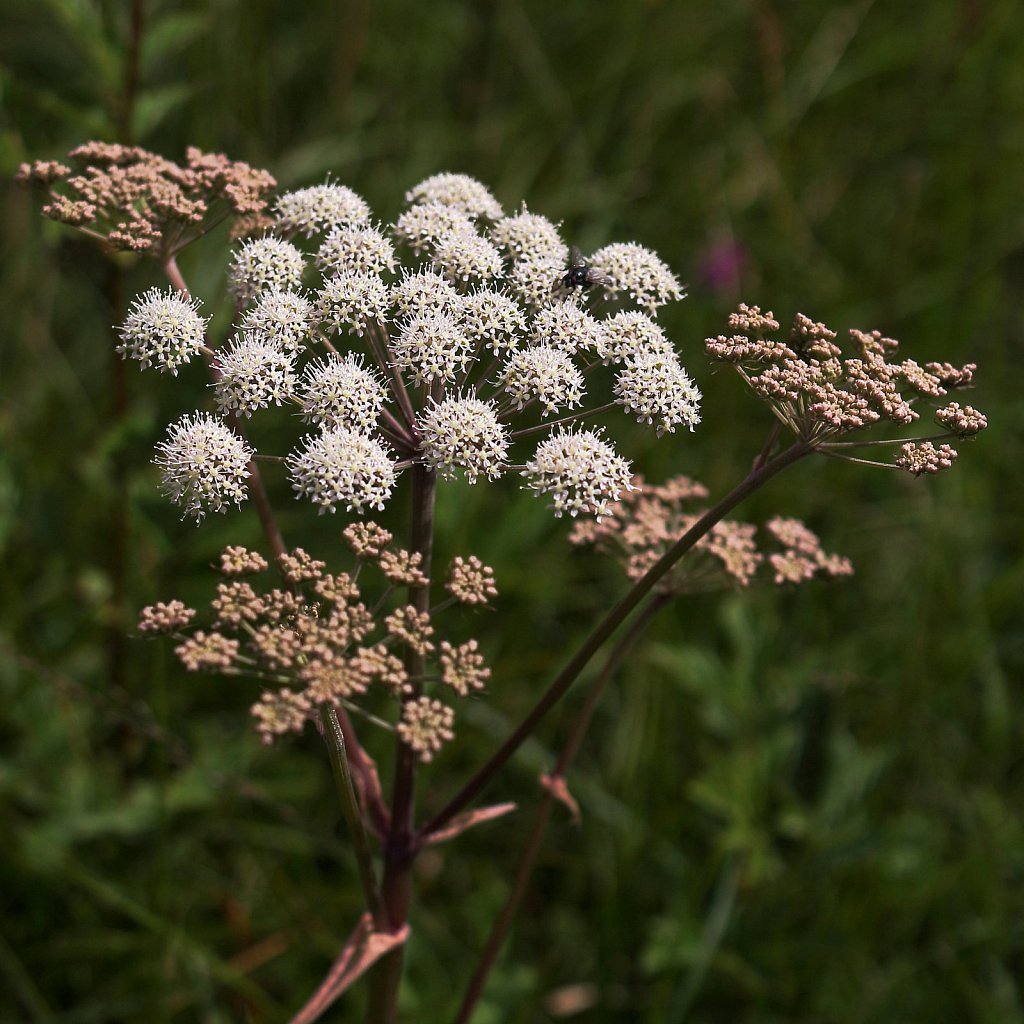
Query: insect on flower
x=579, y=275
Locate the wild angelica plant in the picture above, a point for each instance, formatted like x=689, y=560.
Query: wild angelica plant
x=458, y=341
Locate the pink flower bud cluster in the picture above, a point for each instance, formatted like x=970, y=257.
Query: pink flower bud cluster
x=648, y=519
x=140, y=201
x=823, y=396
x=313, y=641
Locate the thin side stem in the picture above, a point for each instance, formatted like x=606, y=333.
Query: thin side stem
x=861, y=462
x=531, y=848
x=366, y=780
x=769, y=444
x=565, y=419
x=350, y=809
x=379, y=347
x=604, y=629
x=174, y=275
x=885, y=441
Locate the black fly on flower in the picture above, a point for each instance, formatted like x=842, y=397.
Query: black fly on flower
x=580, y=274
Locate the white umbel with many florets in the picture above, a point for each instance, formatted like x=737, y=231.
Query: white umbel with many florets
x=204, y=464
x=163, y=329
x=455, y=339
x=464, y=433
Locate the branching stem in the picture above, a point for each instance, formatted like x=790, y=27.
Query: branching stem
x=604, y=629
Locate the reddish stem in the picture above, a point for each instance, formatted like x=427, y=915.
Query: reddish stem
x=612, y=620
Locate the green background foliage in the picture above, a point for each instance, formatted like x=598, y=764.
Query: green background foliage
x=797, y=806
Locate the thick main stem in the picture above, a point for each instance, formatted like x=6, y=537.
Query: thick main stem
x=531, y=848
x=615, y=617
x=400, y=848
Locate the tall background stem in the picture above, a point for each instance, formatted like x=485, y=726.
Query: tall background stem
x=531, y=848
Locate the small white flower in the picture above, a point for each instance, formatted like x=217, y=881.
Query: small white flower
x=432, y=345
x=281, y=317
x=203, y=464
x=536, y=279
x=581, y=472
x=349, y=299
x=342, y=467
x=544, y=373
x=423, y=291
x=423, y=225
x=632, y=333
x=492, y=318
x=529, y=235
x=630, y=268
x=252, y=372
x=307, y=211
x=163, y=330
x=261, y=264
x=657, y=390
x=458, y=190
x=341, y=392
x=356, y=248
x=466, y=256
x=463, y=433
x=568, y=328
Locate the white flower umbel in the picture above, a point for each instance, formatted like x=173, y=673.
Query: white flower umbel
x=342, y=467
x=546, y=374
x=261, y=264
x=308, y=211
x=458, y=190
x=568, y=328
x=163, y=329
x=466, y=256
x=203, y=464
x=425, y=224
x=463, y=433
x=359, y=248
x=423, y=291
x=581, y=472
x=493, y=319
x=339, y=391
x=432, y=346
x=349, y=299
x=632, y=333
x=529, y=234
x=657, y=390
x=282, y=317
x=252, y=373
x=536, y=279
x=630, y=268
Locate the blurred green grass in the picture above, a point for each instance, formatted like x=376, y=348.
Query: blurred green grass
x=798, y=807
